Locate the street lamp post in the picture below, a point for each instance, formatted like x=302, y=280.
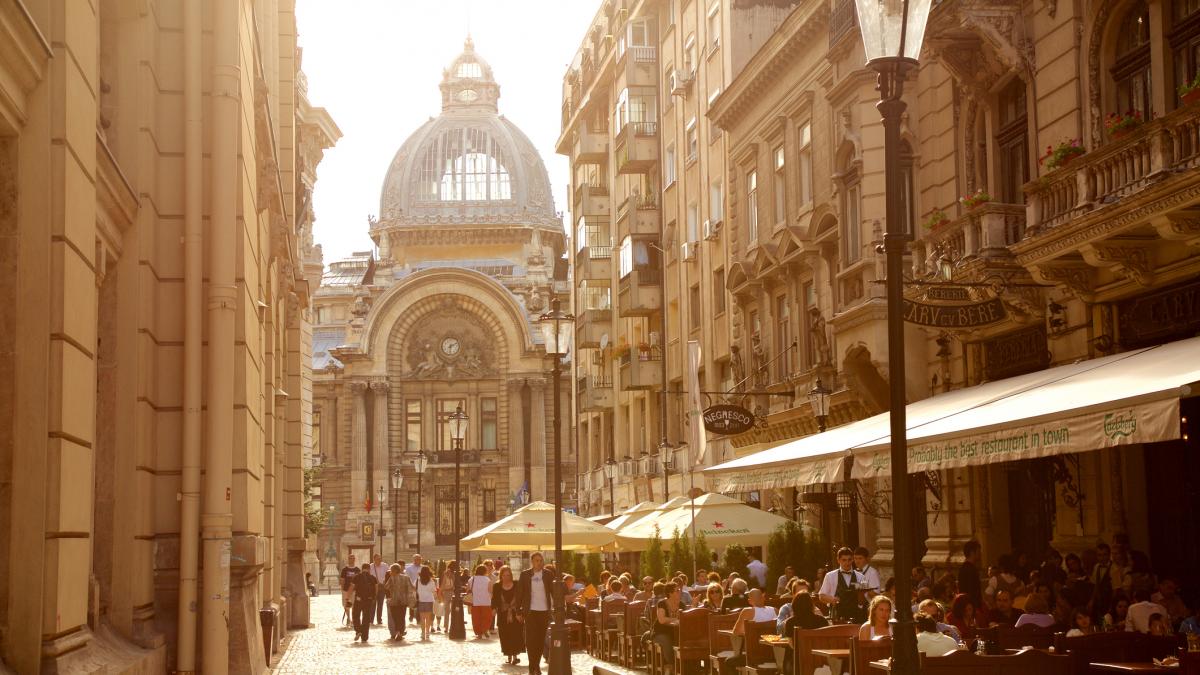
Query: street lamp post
x=382, y=532
x=818, y=397
x=332, y=546
x=892, y=32
x=458, y=432
x=664, y=458
x=397, y=482
x=557, y=333
x=610, y=472
x=420, y=464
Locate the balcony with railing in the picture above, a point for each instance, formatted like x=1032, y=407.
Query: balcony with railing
x=637, y=147
x=591, y=200
x=639, y=293
x=638, y=214
x=843, y=20
x=591, y=325
x=639, y=65
x=986, y=230
x=594, y=262
x=591, y=144
x=640, y=366
x=1117, y=171
x=595, y=393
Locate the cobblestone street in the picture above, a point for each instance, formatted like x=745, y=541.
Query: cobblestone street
x=327, y=648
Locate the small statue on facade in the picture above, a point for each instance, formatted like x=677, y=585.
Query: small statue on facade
x=818, y=338
x=759, y=354
x=737, y=367
x=430, y=365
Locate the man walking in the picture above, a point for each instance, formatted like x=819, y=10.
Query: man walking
x=758, y=572
x=535, y=599
x=347, y=577
x=401, y=594
x=379, y=570
x=366, y=589
x=968, y=574
x=413, y=571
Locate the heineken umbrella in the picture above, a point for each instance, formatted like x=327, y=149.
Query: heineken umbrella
x=720, y=519
x=532, y=529
x=631, y=515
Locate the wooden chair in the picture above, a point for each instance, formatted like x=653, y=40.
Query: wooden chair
x=1189, y=662
x=611, y=612
x=692, y=645
x=1113, y=647
x=760, y=658
x=589, y=627
x=804, y=641
x=631, y=638
x=1027, y=662
x=863, y=652
x=1005, y=637
x=719, y=645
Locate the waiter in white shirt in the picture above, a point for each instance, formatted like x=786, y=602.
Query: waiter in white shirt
x=843, y=589
x=862, y=563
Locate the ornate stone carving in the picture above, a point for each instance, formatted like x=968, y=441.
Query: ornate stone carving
x=380, y=386
x=759, y=354
x=1131, y=261
x=1181, y=226
x=358, y=387
x=1078, y=278
x=449, y=342
x=737, y=368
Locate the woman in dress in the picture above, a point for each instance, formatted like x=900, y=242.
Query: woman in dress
x=962, y=616
x=508, y=617
x=426, y=594
x=879, y=618
x=480, y=588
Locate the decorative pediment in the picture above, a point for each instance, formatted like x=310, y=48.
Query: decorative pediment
x=449, y=342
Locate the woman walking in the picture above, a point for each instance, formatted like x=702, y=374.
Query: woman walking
x=399, y=592
x=426, y=594
x=439, y=602
x=480, y=588
x=508, y=621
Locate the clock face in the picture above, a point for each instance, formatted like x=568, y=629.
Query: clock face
x=450, y=346
x=467, y=95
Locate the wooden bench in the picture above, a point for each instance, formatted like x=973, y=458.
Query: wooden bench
x=692, y=639
x=630, y=636
x=719, y=645
x=760, y=659
x=1027, y=662
x=1115, y=647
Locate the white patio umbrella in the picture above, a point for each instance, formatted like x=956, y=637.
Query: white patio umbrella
x=631, y=515
x=532, y=529
x=720, y=519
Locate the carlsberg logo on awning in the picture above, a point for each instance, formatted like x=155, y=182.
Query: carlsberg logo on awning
x=1120, y=425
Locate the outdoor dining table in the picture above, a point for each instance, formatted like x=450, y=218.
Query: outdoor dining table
x=834, y=657
x=779, y=648
x=882, y=664
x=1132, y=667
x=735, y=641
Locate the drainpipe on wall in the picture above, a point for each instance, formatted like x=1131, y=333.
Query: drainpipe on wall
x=217, y=520
x=193, y=317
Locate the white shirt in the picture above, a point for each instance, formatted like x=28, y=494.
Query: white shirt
x=481, y=592
x=758, y=570
x=425, y=591
x=935, y=644
x=538, y=602
x=413, y=570
x=1138, y=617
x=764, y=613
x=380, y=571
x=871, y=575
x=829, y=584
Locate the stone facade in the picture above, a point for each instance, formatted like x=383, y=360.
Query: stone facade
x=787, y=123
x=119, y=169
x=469, y=255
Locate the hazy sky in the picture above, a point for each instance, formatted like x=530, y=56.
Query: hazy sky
x=375, y=65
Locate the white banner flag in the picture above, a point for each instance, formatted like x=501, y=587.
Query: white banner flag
x=699, y=439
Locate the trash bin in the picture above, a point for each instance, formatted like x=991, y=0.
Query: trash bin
x=266, y=618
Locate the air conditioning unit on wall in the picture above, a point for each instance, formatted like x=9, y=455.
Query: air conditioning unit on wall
x=689, y=250
x=712, y=230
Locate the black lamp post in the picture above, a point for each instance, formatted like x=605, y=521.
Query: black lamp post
x=892, y=32
x=610, y=472
x=818, y=397
x=333, y=548
x=664, y=462
x=420, y=464
x=382, y=531
x=458, y=432
x=397, y=481
x=557, y=336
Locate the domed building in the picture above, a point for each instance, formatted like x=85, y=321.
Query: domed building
x=442, y=315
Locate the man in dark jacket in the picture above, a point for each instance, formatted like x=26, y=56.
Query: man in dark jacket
x=535, y=599
x=968, y=574
x=366, y=589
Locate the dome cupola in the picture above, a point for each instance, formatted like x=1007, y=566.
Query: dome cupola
x=467, y=84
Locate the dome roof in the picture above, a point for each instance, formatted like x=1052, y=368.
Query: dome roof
x=469, y=165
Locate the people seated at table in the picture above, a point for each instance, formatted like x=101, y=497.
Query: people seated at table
x=1167, y=595
x=784, y=582
x=919, y=579
x=737, y=596
x=931, y=608
x=647, y=590
x=713, y=595
x=962, y=615
x=1005, y=579
x=1138, y=617
x=931, y=641
x=757, y=611
x=1159, y=625
x=681, y=581
x=616, y=592
x=879, y=617
x=666, y=621
x=1002, y=612
x=1191, y=625
x=1081, y=623
x=1037, y=612
x=801, y=613
x=1118, y=612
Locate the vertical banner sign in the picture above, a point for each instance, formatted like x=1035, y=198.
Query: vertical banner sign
x=699, y=439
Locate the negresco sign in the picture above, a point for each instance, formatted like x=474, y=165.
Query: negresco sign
x=728, y=419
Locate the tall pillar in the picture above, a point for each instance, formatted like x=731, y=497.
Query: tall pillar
x=538, y=437
x=516, y=436
x=358, y=445
x=379, y=452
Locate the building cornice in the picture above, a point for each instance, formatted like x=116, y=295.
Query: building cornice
x=22, y=60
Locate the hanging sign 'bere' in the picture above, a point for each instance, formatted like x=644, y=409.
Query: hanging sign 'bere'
x=728, y=419
x=970, y=315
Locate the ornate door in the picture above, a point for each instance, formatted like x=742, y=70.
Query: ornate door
x=443, y=510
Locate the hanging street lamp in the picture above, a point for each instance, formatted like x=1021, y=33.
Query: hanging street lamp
x=892, y=32
x=557, y=336
x=818, y=398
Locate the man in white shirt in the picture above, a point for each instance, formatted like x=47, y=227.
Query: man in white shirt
x=862, y=563
x=379, y=570
x=534, y=598
x=413, y=572
x=842, y=589
x=758, y=571
x=930, y=641
x=1137, y=619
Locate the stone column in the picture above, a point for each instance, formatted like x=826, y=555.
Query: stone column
x=379, y=453
x=516, y=436
x=537, y=424
x=358, y=444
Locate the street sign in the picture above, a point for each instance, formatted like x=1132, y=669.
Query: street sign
x=728, y=419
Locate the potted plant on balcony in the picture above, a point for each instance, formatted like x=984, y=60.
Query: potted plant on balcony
x=643, y=351
x=975, y=199
x=1058, y=156
x=1119, y=125
x=937, y=219
x=1189, y=92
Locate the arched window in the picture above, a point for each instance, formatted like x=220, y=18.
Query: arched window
x=1185, y=40
x=464, y=165
x=1131, y=68
x=1012, y=142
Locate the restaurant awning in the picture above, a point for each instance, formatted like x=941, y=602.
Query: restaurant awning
x=721, y=520
x=1126, y=398
x=631, y=515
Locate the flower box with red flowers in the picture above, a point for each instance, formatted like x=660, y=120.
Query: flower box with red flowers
x=936, y=220
x=975, y=199
x=1058, y=156
x=1189, y=92
x=1118, y=125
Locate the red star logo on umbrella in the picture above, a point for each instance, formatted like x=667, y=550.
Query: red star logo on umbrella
x=718, y=524
x=530, y=525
